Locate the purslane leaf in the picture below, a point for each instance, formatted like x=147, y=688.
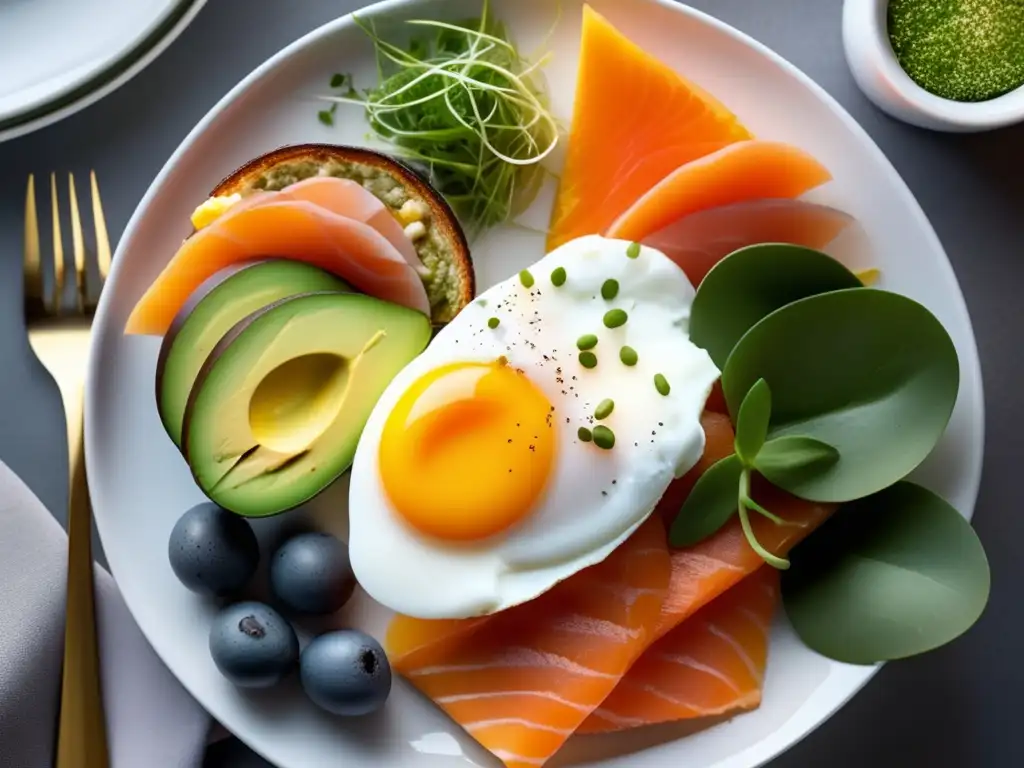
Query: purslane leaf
x=753, y=282
x=752, y=422
x=889, y=576
x=869, y=372
x=792, y=460
x=713, y=500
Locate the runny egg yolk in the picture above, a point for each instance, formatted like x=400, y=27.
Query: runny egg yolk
x=467, y=451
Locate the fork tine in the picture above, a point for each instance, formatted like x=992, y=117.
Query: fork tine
x=100, y=225
x=81, y=286
x=31, y=268
x=58, y=248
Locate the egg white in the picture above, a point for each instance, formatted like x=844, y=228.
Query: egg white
x=594, y=498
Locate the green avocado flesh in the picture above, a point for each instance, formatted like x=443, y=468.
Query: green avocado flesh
x=236, y=293
x=277, y=411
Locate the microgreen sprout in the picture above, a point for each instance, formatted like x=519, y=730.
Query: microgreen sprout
x=461, y=100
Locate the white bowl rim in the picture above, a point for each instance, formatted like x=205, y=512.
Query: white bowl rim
x=972, y=481
x=868, y=18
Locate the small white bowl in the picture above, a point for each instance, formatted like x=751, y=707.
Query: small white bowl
x=878, y=73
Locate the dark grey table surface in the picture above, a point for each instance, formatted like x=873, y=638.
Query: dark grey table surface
x=960, y=705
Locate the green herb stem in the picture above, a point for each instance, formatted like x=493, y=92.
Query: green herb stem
x=749, y=502
x=748, y=530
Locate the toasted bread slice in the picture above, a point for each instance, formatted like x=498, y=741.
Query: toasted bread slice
x=443, y=250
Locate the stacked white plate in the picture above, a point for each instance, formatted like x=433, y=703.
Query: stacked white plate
x=59, y=56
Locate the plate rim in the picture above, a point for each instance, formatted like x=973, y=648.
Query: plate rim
x=973, y=476
x=143, y=51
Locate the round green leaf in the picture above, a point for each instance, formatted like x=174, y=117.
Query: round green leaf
x=752, y=422
x=871, y=373
x=754, y=281
x=890, y=576
x=792, y=459
x=713, y=500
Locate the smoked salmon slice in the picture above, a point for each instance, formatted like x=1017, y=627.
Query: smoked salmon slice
x=289, y=229
x=699, y=241
x=349, y=198
x=744, y=171
x=707, y=569
x=522, y=681
x=711, y=664
x=635, y=120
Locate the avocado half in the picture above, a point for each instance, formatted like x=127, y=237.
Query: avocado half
x=277, y=409
x=444, y=251
x=211, y=311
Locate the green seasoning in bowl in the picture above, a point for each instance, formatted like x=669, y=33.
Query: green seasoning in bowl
x=963, y=50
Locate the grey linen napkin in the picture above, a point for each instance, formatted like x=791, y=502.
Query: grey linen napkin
x=151, y=720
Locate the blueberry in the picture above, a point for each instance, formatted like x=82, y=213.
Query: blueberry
x=346, y=673
x=253, y=645
x=213, y=551
x=311, y=573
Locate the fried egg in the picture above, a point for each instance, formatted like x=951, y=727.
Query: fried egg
x=533, y=436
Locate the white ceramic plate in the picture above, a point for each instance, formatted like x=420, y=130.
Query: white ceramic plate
x=59, y=56
x=140, y=484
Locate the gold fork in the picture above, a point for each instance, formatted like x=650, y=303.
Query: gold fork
x=60, y=339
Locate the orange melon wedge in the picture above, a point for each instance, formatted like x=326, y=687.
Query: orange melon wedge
x=747, y=170
x=635, y=120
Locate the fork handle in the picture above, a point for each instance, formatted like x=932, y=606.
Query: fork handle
x=81, y=735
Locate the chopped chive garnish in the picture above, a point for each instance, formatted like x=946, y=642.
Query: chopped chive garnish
x=493, y=322
x=526, y=278
x=588, y=359
x=558, y=277
x=603, y=437
x=586, y=341
x=613, y=318
x=633, y=251
x=584, y=435
x=604, y=409
x=661, y=384
x=482, y=302
x=609, y=289
x=628, y=356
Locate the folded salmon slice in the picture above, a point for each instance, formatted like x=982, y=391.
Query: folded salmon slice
x=704, y=571
x=510, y=671
x=283, y=228
x=744, y=171
x=522, y=681
x=349, y=198
x=711, y=664
x=699, y=241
